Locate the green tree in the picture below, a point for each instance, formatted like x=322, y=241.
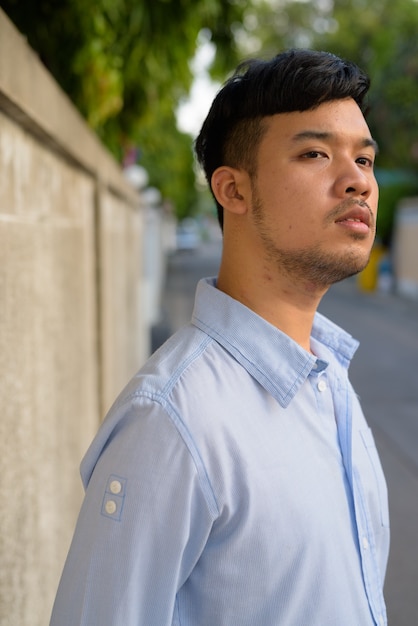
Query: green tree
x=126, y=64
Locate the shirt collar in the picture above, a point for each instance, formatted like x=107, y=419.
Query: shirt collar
x=277, y=362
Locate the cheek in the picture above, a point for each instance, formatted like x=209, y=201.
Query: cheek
x=299, y=205
x=292, y=204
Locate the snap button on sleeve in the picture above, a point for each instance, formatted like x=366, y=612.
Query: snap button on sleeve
x=110, y=507
x=114, y=497
x=115, y=486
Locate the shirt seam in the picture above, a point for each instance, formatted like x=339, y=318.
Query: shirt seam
x=268, y=383
x=188, y=441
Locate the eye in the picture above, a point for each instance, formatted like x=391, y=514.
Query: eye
x=365, y=161
x=313, y=154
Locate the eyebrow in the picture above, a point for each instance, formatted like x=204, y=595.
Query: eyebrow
x=365, y=142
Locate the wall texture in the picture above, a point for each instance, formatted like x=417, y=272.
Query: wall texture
x=71, y=325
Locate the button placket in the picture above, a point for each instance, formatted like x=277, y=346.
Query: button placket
x=322, y=384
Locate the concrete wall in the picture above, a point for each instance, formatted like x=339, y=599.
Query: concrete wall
x=405, y=255
x=72, y=329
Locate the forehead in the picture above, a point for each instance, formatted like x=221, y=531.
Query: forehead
x=337, y=120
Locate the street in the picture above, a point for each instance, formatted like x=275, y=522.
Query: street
x=384, y=373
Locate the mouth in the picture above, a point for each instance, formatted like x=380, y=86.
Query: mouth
x=358, y=219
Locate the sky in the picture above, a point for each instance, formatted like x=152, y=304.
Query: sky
x=192, y=112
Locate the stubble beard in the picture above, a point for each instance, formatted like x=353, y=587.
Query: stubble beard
x=316, y=267
x=311, y=265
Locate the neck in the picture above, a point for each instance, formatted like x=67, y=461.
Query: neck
x=283, y=301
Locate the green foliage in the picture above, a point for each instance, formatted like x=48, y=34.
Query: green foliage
x=126, y=65
x=169, y=160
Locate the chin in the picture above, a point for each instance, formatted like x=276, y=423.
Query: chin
x=329, y=270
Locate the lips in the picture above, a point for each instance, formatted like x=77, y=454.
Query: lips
x=357, y=214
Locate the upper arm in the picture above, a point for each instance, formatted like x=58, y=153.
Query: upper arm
x=143, y=525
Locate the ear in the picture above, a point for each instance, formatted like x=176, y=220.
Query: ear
x=231, y=187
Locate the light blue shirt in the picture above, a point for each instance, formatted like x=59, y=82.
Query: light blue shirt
x=234, y=482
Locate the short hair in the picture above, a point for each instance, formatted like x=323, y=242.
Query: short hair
x=295, y=80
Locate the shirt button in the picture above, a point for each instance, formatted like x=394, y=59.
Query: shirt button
x=322, y=385
x=110, y=507
x=115, y=486
x=365, y=543
x=381, y=620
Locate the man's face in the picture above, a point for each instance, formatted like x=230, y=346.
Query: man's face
x=314, y=195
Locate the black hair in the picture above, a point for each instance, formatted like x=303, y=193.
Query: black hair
x=295, y=80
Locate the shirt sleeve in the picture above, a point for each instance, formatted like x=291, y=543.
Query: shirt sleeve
x=144, y=522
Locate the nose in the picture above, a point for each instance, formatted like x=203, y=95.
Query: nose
x=353, y=181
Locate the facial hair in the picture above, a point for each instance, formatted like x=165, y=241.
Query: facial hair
x=312, y=264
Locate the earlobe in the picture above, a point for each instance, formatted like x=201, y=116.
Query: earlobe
x=229, y=186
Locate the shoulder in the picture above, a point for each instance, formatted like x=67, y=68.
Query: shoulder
x=156, y=409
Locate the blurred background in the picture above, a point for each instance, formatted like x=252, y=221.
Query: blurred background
x=106, y=224
x=143, y=73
